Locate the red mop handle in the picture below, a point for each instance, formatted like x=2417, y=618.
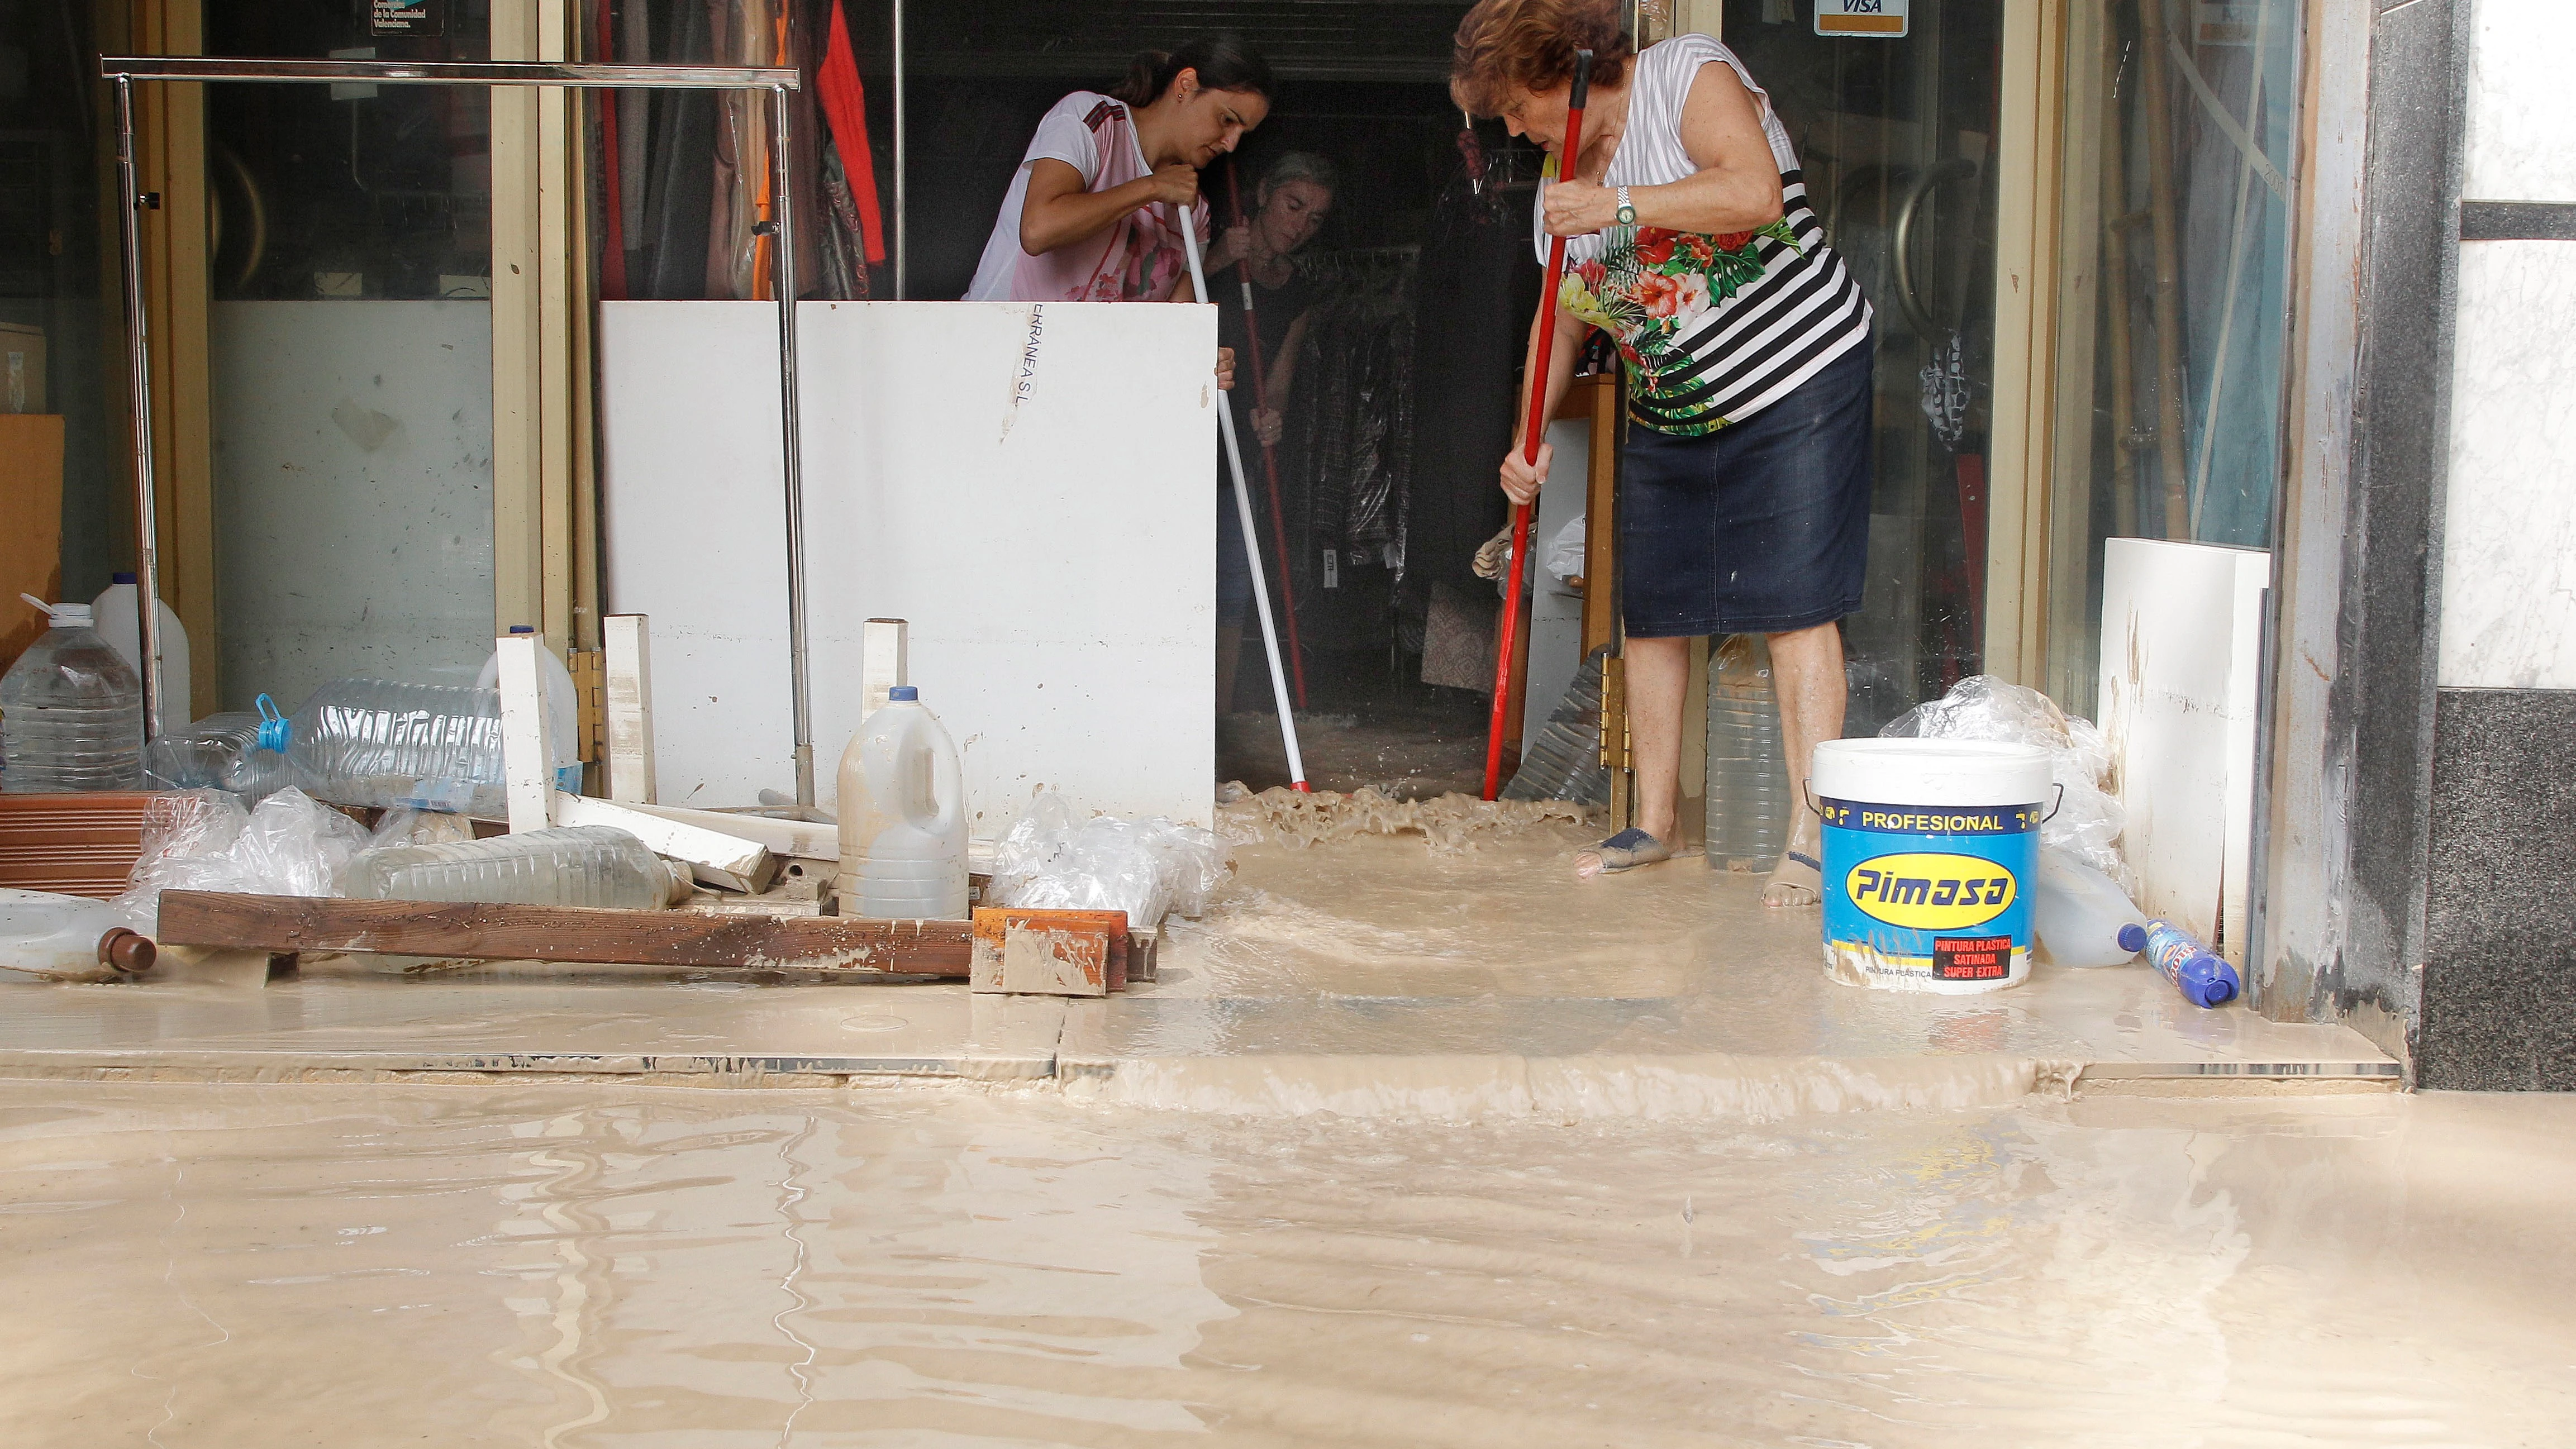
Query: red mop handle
x=1542, y=363
x=1269, y=454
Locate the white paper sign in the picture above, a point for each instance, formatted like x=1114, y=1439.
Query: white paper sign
x=1878, y=19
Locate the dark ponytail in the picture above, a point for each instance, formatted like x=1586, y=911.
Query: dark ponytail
x=1223, y=63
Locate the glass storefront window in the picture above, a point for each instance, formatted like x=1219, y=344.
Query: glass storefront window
x=2175, y=234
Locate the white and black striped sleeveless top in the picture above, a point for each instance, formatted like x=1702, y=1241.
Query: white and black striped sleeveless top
x=1715, y=328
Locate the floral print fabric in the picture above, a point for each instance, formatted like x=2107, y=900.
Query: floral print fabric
x=1652, y=288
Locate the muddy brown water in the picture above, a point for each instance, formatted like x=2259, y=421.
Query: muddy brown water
x=943, y=1265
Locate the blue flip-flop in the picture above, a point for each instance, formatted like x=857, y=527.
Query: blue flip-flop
x=1629, y=849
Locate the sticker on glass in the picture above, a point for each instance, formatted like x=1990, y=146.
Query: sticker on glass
x=1882, y=19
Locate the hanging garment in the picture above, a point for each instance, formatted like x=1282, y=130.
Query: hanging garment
x=845, y=106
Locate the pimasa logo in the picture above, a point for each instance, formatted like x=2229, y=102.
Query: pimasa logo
x=1926, y=891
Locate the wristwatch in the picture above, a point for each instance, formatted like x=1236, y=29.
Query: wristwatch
x=1627, y=215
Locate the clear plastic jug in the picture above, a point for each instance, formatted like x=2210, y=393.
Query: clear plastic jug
x=117, y=615
x=903, y=817
x=71, y=711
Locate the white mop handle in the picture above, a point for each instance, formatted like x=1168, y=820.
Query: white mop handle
x=1251, y=539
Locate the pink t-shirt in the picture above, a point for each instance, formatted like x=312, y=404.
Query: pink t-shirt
x=1138, y=259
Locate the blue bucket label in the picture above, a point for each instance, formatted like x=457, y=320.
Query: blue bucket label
x=1924, y=894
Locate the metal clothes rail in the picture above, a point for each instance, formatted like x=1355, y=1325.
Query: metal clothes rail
x=125, y=70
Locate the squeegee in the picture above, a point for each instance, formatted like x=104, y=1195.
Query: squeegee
x=1569, y=160
x=1251, y=536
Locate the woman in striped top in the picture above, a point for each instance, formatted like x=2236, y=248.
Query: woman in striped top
x=1744, y=496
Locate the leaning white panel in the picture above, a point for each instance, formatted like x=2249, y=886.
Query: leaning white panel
x=1033, y=488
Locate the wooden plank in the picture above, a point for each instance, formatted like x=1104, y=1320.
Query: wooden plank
x=527, y=743
x=78, y=844
x=801, y=839
x=715, y=858
x=1050, y=952
x=1601, y=521
x=289, y=924
x=628, y=642
x=885, y=660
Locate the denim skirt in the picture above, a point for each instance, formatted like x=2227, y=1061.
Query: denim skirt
x=1761, y=527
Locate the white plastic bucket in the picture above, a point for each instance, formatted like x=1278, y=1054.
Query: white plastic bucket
x=1931, y=857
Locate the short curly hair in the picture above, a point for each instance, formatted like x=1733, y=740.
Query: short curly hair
x=1529, y=45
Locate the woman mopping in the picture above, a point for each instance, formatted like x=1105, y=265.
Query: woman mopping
x=1744, y=498
x=1295, y=195
x=1094, y=210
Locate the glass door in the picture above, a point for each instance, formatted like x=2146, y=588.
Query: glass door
x=1896, y=128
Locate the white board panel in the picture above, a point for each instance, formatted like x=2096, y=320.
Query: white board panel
x=1031, y=487
x=353, y=494
x=2181, y=652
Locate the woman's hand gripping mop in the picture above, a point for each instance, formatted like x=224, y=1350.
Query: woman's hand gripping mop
x=1251, y=536
x=1569, y=160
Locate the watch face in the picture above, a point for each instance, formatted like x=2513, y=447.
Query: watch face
x=1627, y=216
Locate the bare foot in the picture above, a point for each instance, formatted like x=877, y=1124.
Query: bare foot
x=1795, y=882
x=1799, y=880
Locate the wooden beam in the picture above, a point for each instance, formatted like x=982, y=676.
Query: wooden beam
x=1601, y=521
x=290, y=924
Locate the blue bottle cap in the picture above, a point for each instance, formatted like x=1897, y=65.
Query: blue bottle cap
x=902, y=692
x=2133, y=937
x=523, y=628
x=275, y=731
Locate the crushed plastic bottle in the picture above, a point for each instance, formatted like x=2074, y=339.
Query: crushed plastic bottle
x=392, y=744
x=2196, y=972
x=575, y=865
x=71, y=711
x=68, y=938
x=219, y=752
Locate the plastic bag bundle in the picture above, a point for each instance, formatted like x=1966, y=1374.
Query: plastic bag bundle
x=2088, y=821
x=1149, y=869
x=202, y=840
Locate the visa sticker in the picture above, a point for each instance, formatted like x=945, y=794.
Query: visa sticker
x=1880, y=19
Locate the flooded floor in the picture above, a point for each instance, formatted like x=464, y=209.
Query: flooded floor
x=940, y=1264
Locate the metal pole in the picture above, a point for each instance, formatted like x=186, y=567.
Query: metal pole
x=147, y=592
x=902, y=249
x=791, y=435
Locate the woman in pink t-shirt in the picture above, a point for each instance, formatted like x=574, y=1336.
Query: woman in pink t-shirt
x=1093, y=213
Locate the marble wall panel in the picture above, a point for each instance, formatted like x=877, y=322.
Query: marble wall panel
x=2509, y=551
x=2522, y=110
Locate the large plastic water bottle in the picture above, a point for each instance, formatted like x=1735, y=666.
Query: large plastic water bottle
x=563, y=709
x=388, y=743
x=1750, y=803
x=71, y=711
x=119, y=622
x=2079, y=913
x=574, y=865
x=903, y=816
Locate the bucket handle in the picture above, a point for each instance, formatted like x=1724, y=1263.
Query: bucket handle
x=1807, y=791
x=2054, y=808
